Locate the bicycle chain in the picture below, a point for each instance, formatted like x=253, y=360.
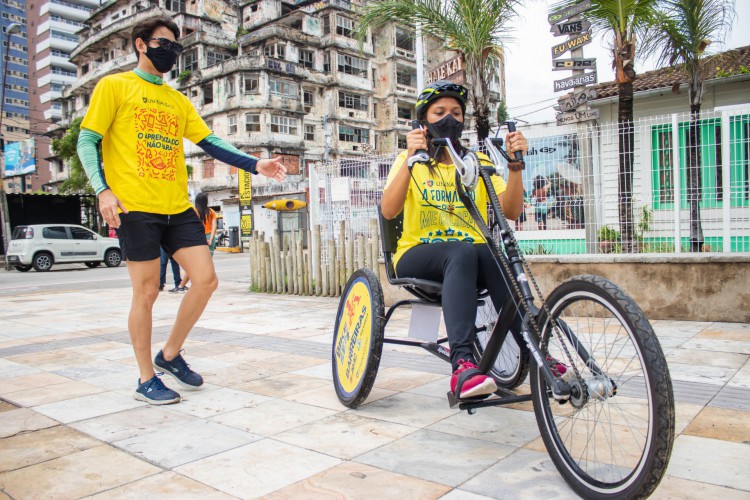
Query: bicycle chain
x=527, y=269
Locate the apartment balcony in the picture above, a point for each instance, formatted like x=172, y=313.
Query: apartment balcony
x=60, y=44
x=283, y=32
x=406, y=54
x=262, y=63
x=66, y=9
x=212, y=37
x=292, y=184
x=93, y=37
x=100, y=70
x=53, y=114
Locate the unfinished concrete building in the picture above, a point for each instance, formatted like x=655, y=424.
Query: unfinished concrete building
x=274, y=78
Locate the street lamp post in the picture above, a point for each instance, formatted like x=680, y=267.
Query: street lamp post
x=12, y=29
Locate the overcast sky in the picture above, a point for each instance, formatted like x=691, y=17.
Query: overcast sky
x=528, y=69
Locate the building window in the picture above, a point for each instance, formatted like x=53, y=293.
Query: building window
x=352, y=65
x=310, y=132
x=306, y=58
x=214, y=58
x=404, y=40
x=308, y=98
x=352, y=101
x=283, y=125
x=405, y=111
x=282, y=87
x=250, y=84
x=326, y=62
x=406, y=76
x=344, y=26
x=230, y=87
x=190, y=61
x=401, y=142
x=353, y=134
x=252, y=122
x=232, y=124
x=176, y=5
x=209, y=166
x=208, y=93
x=276, y=51
x=326, y=24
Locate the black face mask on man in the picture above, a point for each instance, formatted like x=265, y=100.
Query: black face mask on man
x=162, y=59
x=446, y=128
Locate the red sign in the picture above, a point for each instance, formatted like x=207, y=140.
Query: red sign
x=452, y=70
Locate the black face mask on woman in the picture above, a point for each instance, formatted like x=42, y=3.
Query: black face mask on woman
x=446, y=128
x=162, y=59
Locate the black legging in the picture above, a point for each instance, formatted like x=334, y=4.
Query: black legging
x=463, y=268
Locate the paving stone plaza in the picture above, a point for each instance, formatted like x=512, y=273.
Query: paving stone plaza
x=268, y=424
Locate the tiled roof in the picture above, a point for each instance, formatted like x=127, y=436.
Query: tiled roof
x=728, y=63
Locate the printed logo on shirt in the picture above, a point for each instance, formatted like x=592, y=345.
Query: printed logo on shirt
x=146, y=100
x=157, y=143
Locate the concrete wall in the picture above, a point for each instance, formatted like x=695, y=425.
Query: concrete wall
x=680, y=287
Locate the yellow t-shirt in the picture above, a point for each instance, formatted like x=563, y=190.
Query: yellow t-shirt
x=143, y=125
x=423, y=222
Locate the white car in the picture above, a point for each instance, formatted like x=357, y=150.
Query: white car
x=42, y=245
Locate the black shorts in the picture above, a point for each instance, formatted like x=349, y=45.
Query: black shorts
x=142, y=233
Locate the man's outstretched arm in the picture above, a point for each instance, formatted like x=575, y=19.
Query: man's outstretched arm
x=224, y=152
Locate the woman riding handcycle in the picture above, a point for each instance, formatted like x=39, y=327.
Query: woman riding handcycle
x=599, y=381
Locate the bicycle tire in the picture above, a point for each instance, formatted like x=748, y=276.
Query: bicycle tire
x=512, y=363
x=636, y=416
x=358, y=338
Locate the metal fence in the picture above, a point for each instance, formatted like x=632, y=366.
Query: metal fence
x=572, y=196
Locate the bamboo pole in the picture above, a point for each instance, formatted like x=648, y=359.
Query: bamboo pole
x=318, y=271
x=375, y=244
x=287, y=264
x=361, y=251
x=300, y=266
x=331, y=268
x=342, y=253
x=309, y=288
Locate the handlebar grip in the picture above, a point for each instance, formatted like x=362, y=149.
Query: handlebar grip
x=440, y=142
x=415, y=125
x=512, y=128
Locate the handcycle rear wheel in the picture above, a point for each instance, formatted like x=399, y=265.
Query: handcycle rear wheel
x=358, y=338
x=615, y=438
x=512, y=363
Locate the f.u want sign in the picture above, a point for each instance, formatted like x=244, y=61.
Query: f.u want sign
x=571, y=44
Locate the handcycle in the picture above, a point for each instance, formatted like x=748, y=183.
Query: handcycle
x=599, y=381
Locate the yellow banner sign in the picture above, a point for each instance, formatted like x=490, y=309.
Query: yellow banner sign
x=245, y=187
x=246, y=225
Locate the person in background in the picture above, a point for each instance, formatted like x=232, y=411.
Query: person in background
x=540, y=195
x=164, y=259
x=210, y=222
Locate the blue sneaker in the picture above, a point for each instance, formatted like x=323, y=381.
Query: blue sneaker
x=154, y=392
x=178, y=369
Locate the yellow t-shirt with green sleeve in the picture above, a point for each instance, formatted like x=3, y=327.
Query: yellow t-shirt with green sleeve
x=143, y=125
x=430, y=198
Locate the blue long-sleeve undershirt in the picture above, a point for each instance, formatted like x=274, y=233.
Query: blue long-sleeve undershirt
x=225, y=152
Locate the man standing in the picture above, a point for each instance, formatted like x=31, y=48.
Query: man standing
x=142, y=191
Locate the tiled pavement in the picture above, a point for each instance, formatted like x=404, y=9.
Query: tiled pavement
x=268, y=423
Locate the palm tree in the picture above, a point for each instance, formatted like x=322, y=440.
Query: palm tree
x=474, y=28
x=625, y=22
x=686, y=28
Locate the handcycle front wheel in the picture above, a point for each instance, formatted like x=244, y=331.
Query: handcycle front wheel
x=358, y=338
x=613, y=437
x=512, y=363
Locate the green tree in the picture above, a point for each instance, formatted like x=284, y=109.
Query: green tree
x=502, y=112
x=474, y=28
x=624, y=22
x=685, y=30
x=65, y=148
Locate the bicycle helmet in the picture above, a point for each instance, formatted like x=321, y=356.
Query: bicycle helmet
x=436, y=90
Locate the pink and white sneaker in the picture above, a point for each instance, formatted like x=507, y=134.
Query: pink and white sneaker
x=470, y=382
